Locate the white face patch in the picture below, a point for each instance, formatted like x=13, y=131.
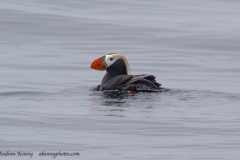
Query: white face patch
x=110, y=59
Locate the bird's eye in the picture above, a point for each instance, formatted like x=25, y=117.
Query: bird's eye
x=111, y=59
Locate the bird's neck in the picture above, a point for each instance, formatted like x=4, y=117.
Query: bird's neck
x=114, y=71
x=106, y=78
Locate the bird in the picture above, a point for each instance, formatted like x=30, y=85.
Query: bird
x=118, y=76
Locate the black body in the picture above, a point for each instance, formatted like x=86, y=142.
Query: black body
x=116, y=78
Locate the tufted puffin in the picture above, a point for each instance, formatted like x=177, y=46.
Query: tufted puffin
x=117, y=75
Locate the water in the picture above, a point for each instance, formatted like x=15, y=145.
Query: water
x=46, y=99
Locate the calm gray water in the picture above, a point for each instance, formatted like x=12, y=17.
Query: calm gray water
x=46, y=101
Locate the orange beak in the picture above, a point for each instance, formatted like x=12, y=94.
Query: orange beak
x=98, y=64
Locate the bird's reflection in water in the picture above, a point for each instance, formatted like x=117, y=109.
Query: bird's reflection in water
x=116, y=99
x=111, y=103
x=122, y=104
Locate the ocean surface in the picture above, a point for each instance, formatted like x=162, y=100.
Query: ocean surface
x=47, y=102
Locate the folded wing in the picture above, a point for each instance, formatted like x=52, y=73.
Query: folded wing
x=135, y=83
